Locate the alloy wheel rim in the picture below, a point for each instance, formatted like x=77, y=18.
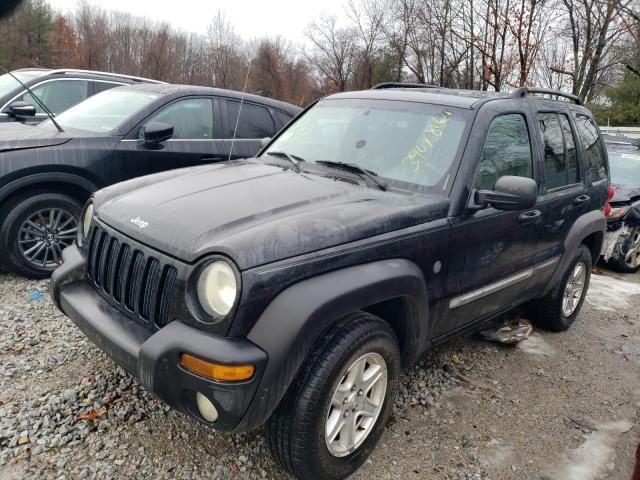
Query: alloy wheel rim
x=356, y=403
x=632, y=258
x=44, y=235
x=573, y=289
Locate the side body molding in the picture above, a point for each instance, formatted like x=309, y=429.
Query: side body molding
x=294, y=320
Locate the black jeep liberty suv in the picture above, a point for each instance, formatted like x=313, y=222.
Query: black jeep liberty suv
x=290, y=289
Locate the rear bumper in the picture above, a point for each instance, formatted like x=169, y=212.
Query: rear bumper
x=153, y=356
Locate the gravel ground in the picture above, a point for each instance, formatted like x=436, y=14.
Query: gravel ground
x=557, y=406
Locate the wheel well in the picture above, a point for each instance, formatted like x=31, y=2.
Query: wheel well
x=398, y=313
x=74, y=191
x=594, y=243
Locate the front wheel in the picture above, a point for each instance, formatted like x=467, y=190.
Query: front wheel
x=559, y=308
x=334, y=413
x=36, y=229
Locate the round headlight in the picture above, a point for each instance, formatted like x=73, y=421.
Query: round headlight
x=86, y=220
x=217, y=288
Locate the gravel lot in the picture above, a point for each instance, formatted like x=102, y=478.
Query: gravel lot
x=558, y=406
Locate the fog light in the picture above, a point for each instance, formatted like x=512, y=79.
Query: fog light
x=206, y=408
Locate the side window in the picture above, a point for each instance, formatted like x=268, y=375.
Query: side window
x=590, y=141
x=283, y=118
x=102, y=86
x=573, y=168
x=555, y=164
x=59, y=95
x=192, y=119
x=506, y=151
x=560, y=160
x=255, y=121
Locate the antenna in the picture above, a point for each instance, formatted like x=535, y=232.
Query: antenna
x=35, y=97
x=240, y=109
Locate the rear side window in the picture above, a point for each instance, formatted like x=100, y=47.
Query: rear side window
x=283, y=118
x=506, y=151
x=255, y=121
x=590, y=140
x=58, y=95
x=192, y=119
x=560, y=160
x=102, y=86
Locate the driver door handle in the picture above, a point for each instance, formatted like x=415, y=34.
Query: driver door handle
x=531, y=217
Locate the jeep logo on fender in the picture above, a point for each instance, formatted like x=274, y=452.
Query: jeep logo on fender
x=139, y=222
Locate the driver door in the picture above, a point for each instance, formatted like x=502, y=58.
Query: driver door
x=196, y=138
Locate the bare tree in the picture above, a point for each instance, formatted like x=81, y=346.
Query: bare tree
x=332, y=52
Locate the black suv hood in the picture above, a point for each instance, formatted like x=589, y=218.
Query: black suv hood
x=17, y=136
x=254, y=212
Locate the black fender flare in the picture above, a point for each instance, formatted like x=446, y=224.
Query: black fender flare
x=290, y=326
x=43, y=177
x=588, y=224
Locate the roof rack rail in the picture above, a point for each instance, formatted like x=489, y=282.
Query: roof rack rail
x=524, y=91
x=382, y=86
x=105, y=74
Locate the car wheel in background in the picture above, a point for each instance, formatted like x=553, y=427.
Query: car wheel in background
x=559, y=308
x=335, y=411
x=629, y=259
x=36, y=228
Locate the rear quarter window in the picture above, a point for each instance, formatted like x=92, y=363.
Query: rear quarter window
x=593, y=148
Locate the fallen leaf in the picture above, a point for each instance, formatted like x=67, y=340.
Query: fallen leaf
x=92, y=414
x=234, y=468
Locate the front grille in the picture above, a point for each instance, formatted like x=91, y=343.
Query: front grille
x=140, y=284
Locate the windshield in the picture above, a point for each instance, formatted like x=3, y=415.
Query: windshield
x=409, y=145
x=625, y=166
x=8, y=83
x=105, y=111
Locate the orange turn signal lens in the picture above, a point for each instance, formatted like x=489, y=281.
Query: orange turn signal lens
x=215, y=371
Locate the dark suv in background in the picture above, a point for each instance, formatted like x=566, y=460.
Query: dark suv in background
x=46, y=175
x=59, y=90
x=289, y=289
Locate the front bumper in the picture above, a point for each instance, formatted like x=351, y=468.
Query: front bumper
x=153, y=357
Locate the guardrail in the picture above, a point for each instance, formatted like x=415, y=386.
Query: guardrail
x=631, y=132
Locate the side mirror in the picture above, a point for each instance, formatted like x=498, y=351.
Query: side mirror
x=22, y=109
x=264, y=142
x=157, y=132
x=509, y=193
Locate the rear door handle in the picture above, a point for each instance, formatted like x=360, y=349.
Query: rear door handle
x=532, y=217
x=581, y=200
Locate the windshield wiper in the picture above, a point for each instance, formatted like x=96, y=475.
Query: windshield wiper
x=354, y=168
x=294, y=159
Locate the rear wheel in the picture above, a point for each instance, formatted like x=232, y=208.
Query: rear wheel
x=334, y=413
x=559, y=308
x=35, y=231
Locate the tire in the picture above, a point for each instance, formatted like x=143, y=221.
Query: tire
x=17, y=238
x=549, y=311
x=295, y=432
x=629, y=259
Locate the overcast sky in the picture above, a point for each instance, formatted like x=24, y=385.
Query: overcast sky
x=251, y=18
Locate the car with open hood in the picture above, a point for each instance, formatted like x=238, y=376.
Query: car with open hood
x=289, y=289
x=622, y=242
x=48, y=171
x=58, y=89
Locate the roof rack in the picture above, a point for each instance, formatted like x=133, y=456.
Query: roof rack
x=105, y=74
x=382, y=86
x=524, y=91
